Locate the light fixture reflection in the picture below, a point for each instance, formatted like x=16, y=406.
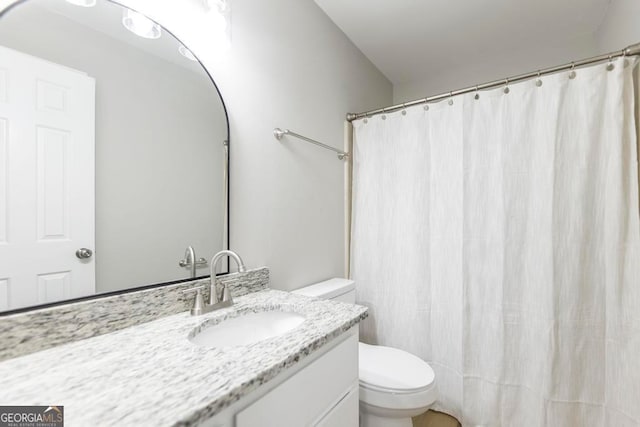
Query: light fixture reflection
x=83, y=3
x=186, y=53
x=140, y=25
x=219, y=22
x=219, y=5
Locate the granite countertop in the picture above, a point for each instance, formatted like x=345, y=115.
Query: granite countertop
x=151, y=375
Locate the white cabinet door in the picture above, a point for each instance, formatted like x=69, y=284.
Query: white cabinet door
x=47, y=138
x=307, y=396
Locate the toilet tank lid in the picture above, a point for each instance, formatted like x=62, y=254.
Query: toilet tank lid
x=328, y=289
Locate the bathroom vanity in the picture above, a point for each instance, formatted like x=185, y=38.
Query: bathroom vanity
x=322, y=391
x=154, y=374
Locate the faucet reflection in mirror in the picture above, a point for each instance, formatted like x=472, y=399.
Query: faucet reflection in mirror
x=190, y=261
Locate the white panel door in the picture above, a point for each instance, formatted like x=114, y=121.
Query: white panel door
x=47, y=138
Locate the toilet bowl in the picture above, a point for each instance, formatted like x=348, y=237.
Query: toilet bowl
x=394, y=385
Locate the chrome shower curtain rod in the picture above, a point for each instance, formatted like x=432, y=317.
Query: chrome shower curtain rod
x=632, y=50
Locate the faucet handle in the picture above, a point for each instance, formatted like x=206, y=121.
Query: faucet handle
x=198, y=304
x=226, y=293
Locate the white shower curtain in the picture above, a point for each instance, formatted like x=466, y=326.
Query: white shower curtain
x=498, y=239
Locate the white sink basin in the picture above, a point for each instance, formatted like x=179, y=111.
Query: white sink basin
x=247, y=329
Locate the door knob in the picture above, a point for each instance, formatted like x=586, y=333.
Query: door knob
x=84, y=253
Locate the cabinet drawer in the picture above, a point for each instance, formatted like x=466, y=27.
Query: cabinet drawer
x=303, y=398
x=346, y=412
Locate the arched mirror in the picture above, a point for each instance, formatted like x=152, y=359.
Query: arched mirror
x=113, y=154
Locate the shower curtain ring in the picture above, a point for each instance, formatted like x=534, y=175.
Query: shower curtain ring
x=610, y=65
x=539, y=81
x=426, y=104
x=450, y=98
x=384, y=116
x=506, y=86
x=404, y=109
x=572, y=74
x=477, y=94
x=624, y=55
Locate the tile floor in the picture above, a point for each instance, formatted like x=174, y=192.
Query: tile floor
x=435, y=419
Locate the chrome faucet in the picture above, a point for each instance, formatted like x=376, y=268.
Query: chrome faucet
x=225, y=294
x=215, y=302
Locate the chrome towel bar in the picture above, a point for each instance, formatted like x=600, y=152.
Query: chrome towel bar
x=279, y=133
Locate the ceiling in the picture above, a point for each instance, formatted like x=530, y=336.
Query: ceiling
x=406, y=39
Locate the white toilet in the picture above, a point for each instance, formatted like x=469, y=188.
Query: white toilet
x=394, y=385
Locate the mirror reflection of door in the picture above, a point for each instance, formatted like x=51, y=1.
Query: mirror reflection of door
x=109, y=141
x=47, y=194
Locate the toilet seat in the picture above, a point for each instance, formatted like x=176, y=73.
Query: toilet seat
x=394, y=379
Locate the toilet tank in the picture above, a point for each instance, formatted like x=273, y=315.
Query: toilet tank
x=336, y=289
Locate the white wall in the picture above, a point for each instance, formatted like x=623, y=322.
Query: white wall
x=481, y=69
x=292, y=68
x=620, y=28
x=159, y=133
x=288, y=66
